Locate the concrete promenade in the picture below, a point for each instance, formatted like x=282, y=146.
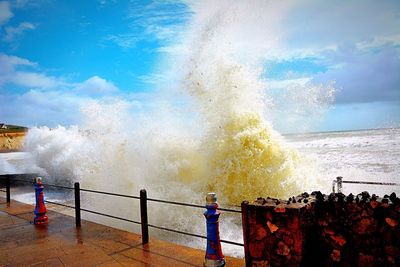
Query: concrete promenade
x=62, y=244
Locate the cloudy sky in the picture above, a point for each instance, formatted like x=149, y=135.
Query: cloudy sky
x=57, y=55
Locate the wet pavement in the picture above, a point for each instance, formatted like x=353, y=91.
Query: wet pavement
x=60, y=243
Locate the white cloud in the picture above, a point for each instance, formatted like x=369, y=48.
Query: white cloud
x=364, y=76
x=15, y=32
x=5, y=12
x=34, y=80
x=10, y=62
x=96, y=86
x=37, y=107
x=24, y=73
x=313, y=26
x=42, y=99
x=11, y=73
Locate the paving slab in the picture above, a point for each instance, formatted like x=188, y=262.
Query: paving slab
x=60, y=243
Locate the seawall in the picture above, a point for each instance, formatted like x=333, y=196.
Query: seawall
x=323, y=230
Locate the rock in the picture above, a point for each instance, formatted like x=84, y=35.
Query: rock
x=261, y=233
x=392, y=197
x=365, y=260
x=392, y=251
x=391, y=222
x=335, y=255
x=288, y=239
x=349, y=198
x=374, y=204
x=328, y=231
x=256, y=249
x=269, y=216
x=282, y=249
x=261, y=201
x=339, y=239
x=365, y=195
x=280, y=209
x=272, y=227
x=366, y=226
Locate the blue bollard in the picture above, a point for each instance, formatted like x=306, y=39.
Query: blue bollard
x=40, y=209
x=214, y=256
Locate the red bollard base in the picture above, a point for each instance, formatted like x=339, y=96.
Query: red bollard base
x=41, y=220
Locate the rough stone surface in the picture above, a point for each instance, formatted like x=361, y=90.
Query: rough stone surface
x=323, y=230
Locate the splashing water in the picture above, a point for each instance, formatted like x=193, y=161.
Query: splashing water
x=219, y=141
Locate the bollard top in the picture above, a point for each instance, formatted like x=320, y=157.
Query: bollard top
x=38, y=180
x=211, y=198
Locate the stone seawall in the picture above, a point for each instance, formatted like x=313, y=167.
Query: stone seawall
x=323, y=230
x=10, y=142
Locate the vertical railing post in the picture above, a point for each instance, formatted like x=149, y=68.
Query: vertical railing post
x=214, y=255
x=333, y=186
x=339, y=181
x=8, y=193
x=143, y=216
x=40, y=208
x=77, y=205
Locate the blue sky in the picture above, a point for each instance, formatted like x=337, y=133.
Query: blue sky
x=56, y=55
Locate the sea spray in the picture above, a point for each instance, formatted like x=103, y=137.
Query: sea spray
x=223, y=142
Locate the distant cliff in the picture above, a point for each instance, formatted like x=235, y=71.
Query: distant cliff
x=11, y=137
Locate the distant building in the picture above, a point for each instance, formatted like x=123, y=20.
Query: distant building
x=3, y=126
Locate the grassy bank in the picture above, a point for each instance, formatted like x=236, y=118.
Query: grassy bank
x=13, y=129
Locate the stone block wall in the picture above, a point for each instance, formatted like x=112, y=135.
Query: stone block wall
x=322, y=230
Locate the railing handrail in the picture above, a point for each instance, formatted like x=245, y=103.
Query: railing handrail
x=108, y=193
x=146, y=224
x=189, y=204
x=131, y=196
x=339, y=181
x=45, y=184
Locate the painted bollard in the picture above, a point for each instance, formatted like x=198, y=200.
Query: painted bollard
x=40, y=209
x=214, y=256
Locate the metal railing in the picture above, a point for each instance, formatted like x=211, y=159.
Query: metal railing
x=143, y=208
x=338, y=183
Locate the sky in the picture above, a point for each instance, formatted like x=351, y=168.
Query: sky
x=57, y=55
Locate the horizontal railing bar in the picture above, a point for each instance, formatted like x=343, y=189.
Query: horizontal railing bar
x=230, y=210
x=191, y=234
x=362, y=182
x=25, y=181
x=108, y=193
x=51, y=185
x=232, y=243
x=59, y=204
x=18, y=174
x=110, y=216
x=59, y=186
x=188, y=204
x=176, y=231
x=176, y=203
